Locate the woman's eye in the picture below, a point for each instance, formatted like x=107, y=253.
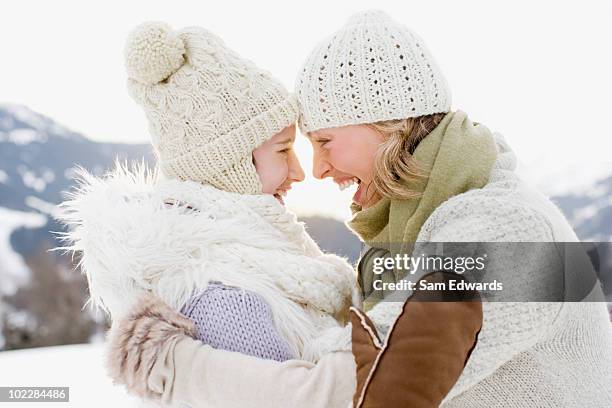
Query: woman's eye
x=323, y=142
x=286, y=150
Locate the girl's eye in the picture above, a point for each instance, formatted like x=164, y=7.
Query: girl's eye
x=323, y=142
x=285, y=150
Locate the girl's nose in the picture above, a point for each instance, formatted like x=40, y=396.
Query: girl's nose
x=296, y=173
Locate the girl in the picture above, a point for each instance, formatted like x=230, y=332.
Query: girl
x=211, y=236
x=378, y=112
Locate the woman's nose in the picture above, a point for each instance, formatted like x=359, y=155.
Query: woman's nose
x=320, y=167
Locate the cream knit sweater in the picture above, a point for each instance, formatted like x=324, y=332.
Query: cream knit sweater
x=528, y=354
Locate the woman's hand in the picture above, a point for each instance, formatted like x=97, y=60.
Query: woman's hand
x=135, y=341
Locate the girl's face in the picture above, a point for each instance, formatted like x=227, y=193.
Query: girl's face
x=346, y=154
x=277, y=165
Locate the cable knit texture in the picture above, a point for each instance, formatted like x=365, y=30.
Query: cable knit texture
x=232, y=319
x=207, y=107
x=373, y=69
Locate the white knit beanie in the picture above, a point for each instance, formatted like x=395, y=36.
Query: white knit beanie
x=373, y=69
x=207, y=107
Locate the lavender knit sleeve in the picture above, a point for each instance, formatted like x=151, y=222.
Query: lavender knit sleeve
x=234, y=319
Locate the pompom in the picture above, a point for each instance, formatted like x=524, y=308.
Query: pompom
x=153, y=52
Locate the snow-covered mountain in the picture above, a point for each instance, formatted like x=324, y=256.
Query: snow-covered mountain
x=582, y=188
x=37, y=160
x=589, y=208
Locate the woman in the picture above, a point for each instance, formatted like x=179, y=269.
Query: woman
x=377, y=110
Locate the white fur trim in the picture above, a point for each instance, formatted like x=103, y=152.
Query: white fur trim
x=131, y=241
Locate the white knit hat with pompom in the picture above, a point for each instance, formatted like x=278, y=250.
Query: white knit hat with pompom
x=373, y=69
x=207, y=107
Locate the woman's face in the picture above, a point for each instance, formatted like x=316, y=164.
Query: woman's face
x=277, y=165
x=346, y=154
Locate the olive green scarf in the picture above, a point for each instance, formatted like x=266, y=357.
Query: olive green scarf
x=457, y=156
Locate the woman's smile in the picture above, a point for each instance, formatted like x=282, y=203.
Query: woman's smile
x=347, y=155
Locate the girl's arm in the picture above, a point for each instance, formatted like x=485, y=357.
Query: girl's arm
x=205, y=377
x=152, y=352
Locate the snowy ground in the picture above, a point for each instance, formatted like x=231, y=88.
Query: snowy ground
x=13, y=270
x=79, y=367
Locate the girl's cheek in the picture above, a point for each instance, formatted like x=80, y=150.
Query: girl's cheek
x=281, y=173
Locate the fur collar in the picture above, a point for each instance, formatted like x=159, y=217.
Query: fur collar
x=130, y=241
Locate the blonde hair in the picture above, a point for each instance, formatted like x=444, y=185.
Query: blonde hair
x=394, y=164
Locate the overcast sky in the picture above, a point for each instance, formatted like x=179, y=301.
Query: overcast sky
x=536, y=71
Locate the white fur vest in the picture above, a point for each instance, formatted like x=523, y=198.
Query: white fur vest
x=131, y=240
